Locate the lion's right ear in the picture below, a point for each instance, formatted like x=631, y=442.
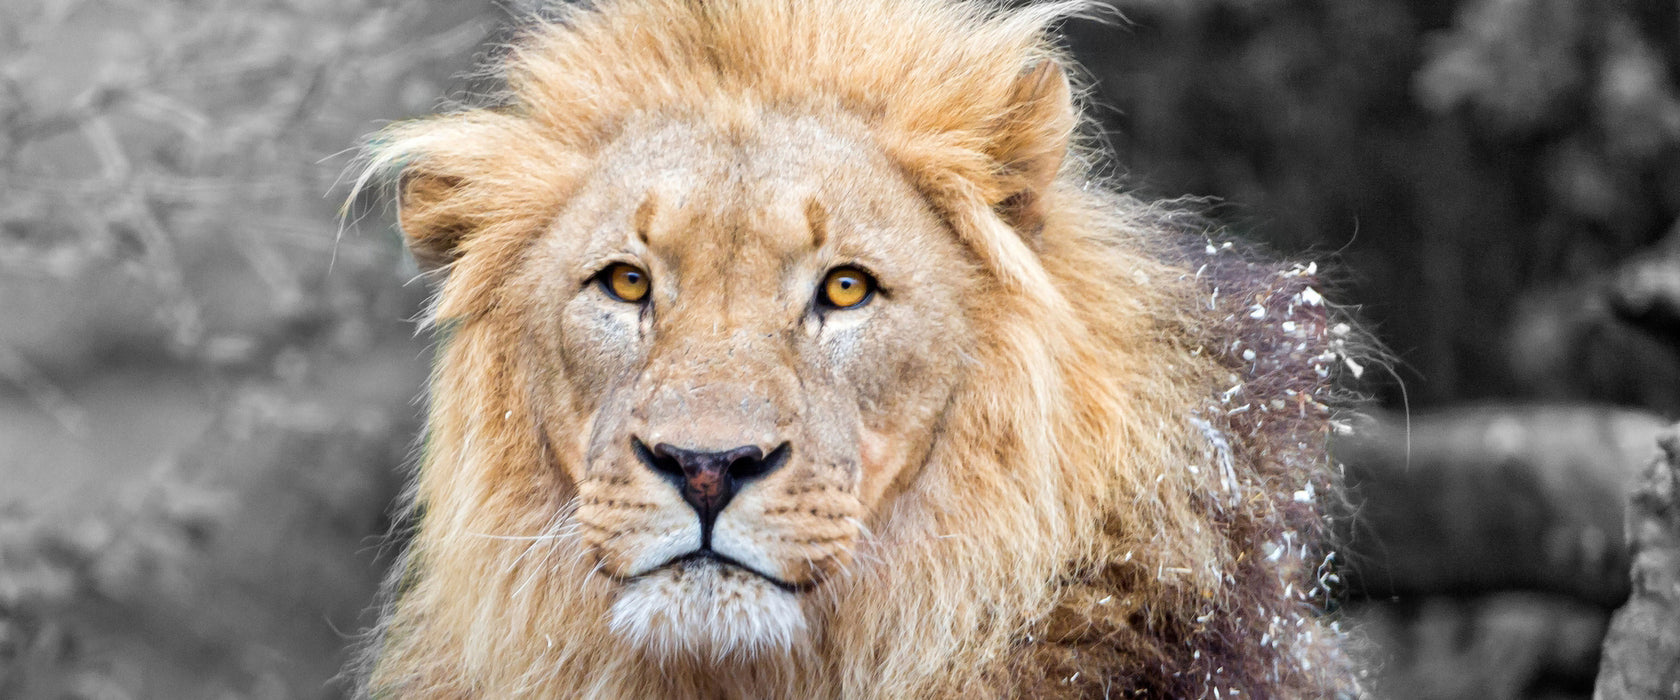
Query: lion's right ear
x=432, y=228
x=467, y=176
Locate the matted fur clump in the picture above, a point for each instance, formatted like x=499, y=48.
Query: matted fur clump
x=789, y=350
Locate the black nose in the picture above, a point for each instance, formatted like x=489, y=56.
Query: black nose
x=706, y=479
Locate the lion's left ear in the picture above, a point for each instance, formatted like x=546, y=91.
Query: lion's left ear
x=1029, y=141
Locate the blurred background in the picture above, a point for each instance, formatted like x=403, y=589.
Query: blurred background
x=208, y=390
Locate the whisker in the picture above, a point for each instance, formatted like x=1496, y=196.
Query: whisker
x=554, y=536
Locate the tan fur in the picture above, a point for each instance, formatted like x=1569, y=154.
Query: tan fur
x=1060, y=454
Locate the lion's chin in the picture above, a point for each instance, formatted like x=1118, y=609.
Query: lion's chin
x=702, y=608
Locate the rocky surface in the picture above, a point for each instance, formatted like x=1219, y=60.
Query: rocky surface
x=1484, y=547
x=1642, y=650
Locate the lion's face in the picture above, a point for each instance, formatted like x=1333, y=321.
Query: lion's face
x=750, y=330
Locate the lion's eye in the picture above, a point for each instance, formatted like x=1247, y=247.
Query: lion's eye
x=847, y=288
x=625, y=282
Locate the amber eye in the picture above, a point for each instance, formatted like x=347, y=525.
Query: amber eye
x=847, y=288
x=625, y=282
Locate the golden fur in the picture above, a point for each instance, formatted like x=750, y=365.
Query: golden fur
x=1070, y=450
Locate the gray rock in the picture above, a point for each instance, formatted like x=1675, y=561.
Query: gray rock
x=1642, y=651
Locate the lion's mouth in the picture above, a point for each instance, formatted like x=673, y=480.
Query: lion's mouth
x=701, y=558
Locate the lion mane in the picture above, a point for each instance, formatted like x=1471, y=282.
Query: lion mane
x=1124, y=494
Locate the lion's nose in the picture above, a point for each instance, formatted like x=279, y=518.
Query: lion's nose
x=709, y=479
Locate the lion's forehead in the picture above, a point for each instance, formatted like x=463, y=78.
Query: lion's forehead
x=757, y=178
x=735, y=212
x=759, y=148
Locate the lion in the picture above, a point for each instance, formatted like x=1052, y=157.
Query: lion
x=791, y=349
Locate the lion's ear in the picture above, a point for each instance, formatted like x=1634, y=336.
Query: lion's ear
x=467, y=175
x=432, y=223
x=1030, y=141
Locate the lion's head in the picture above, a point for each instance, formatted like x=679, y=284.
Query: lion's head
x=751, y=327
x=786, y=352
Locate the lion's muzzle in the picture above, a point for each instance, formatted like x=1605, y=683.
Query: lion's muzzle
x=708, y=480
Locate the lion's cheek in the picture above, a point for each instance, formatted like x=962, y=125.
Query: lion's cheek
x=883, y=462
x=632, y=531
x=799, y=534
